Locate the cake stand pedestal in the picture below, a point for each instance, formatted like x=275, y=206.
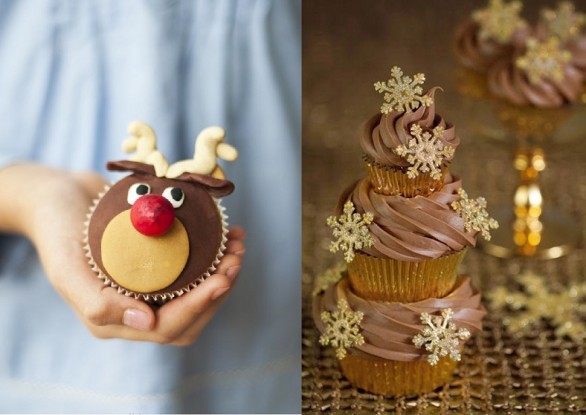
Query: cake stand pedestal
x=525, y=229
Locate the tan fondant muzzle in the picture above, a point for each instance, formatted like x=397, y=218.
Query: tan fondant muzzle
x=142, y=263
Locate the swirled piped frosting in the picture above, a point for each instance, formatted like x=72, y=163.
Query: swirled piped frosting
x=388, y=328
x=507, y=81
x=479, y=54
x=411, y=229
x=383, y=133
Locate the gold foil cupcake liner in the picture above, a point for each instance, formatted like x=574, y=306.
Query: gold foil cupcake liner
x=162, y=297
x=394, y=378
x=385, y=279
x=394, y=181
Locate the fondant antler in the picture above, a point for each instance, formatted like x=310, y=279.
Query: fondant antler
x=144, y=142
x=209, y=146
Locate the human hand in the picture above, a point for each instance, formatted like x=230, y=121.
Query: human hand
x=53, y=220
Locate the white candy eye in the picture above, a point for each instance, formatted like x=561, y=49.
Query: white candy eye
x=174, y=195
x=137, y=190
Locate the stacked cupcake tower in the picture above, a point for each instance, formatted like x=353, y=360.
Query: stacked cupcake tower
x=396, y=311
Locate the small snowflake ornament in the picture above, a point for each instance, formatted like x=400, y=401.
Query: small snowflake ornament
x=565, y=310
x=343, y=329
x=564, y=22
x=402, y=93
x=330, y=277
x=499, y=20
x=544, y=60
x=440, y=337
x=351, y=231
x=474, y=213
x=425, y=152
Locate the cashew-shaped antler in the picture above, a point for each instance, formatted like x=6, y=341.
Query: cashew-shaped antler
x=144, y=142
x=209, y=146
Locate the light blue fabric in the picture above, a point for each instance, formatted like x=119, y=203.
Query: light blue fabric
x=72, y=75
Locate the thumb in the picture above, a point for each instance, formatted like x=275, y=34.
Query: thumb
x=107, y=307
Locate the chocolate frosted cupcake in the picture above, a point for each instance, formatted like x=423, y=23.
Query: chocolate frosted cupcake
x=490, y=34
x=388, y=347
x=418, y=243
x=403, y=241
x=407, y=148
x=159, y=232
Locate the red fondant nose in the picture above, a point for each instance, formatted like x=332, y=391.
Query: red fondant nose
x=152, y=215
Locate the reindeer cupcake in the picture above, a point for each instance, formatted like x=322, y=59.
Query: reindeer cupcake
x=160, y=231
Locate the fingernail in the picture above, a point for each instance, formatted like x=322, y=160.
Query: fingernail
x=240, y=252
x=219, y=292
x=233, y=271
x=136, y=319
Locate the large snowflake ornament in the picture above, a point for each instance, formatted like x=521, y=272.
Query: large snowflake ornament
x=343, y=329
x=351, y=231
x=544, y=60
x=402, y=93
x=565, y=310
x=499, y=20
x=330, y=277
x=425, y=152
x=564, y=22
x=440, y=337
x=474, y=213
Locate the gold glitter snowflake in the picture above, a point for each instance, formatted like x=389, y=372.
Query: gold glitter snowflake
x=343, y=329
x=544, y=60
x=499, y=20
x=441, y=337
x=426, y=152
x=565, y=310
x=351, y=231
x=402, y=93
x=330, y=277
x=564, y=22
x=474, y=213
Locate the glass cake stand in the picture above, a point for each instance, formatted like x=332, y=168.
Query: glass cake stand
x=527, y=228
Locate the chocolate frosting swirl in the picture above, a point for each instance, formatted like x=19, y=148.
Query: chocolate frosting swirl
x=411, y=229
x=383, y=133
x=507, y=81
x=479, y=54
x=388, y=328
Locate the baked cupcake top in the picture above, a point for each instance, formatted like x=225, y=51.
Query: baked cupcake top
x=408, y=125
x=160, y=231
x=491, y=33
x=418, y=228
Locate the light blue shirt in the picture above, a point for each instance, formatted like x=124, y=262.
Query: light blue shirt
x=72, y=75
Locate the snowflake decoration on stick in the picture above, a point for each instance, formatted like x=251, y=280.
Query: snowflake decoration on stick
x=474, y=213
x=499, y=20
x=565, y=310
x=440, y=337
x=351, y=231
x=330, y=277
x=425, y=152
x=402, y=93
x=343, y=329
x=544, y=60
x=564, y=22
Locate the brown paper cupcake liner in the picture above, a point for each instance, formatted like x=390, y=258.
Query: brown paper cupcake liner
x=394, y=181
x=385, y=279
x=394, y=378
x=160, y=298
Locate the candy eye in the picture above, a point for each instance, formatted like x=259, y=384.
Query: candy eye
x=174, y=195
x=137, y=190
